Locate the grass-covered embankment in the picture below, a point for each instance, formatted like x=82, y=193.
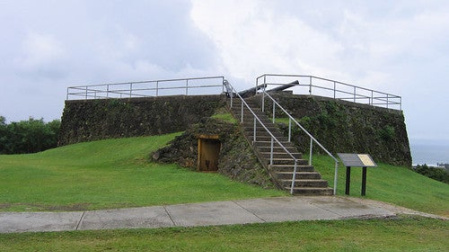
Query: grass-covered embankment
x=116, y=173
x=393, y=184
x=109, y=174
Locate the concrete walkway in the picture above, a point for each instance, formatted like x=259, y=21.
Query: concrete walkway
x=199, y=214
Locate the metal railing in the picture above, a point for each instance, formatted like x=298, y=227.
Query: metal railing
x=154, y=88
x=312, y=139
x=232, y=93
x=333, y=89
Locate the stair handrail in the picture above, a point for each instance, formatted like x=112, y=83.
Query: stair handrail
x=312, y=139
x=232, y=93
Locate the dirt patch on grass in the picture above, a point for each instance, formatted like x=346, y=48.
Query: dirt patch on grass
x=397, y=209
x=73, y=207
x=5, y=206
x=40, y=207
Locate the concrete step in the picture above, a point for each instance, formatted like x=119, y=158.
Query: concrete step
x=280, y=154
x=247, y=113
x=259, y=128
x=267, y=143
x=302, y=167
x=265, y=146
x=283, y=161
x=299, y=175
x=264, y=138
x=276, y=148
x=248, y=117
x=270, y=126
x=311, y=191
x=313, y=183
x=307, y=180
x=267, y=139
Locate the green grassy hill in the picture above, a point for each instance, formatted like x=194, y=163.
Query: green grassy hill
x=109, y=174
x=116, y=173
x=393, y=184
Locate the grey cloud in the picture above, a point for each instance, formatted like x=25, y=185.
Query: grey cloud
x=92, y=42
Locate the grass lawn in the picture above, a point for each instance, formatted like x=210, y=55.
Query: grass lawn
x=388, y=183
x=402, y=234
x=116, y=173
x=109, y=174
x=393, y=184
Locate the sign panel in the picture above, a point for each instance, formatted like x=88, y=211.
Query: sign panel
x=361, y=160
x=366, y=160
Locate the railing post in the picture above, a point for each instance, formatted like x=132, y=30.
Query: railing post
x=263, y=101
x=130, y=89
x=86, y=92
x=355, y=91
x=335, y=177
x=257, y=83
x=222, y=86
x=107, y=91
x=231, y=94
x=294, y=177
x=271, y=151
x=289, y=129
x=187, y=87
x=335, y=89
x=241, y=113
x=157, y=88
x=264, y=81
x=274, y=112
x=387, y=101
x=310, y=85
x=255, y=126
x=310, y=151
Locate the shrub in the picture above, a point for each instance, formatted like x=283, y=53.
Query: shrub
x=28, y=136
x=433, y=173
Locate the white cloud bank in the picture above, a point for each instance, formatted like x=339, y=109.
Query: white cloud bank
x=399, y=47
x=355, y=41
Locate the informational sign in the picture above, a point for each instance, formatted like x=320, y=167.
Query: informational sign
x=358, y=160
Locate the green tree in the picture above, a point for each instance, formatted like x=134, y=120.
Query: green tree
x=433, y=173
x=3, y=133
x=28, y=136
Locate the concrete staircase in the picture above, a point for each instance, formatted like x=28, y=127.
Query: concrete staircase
x=307, y=182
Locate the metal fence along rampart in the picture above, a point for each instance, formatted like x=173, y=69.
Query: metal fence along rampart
x=154, y=88
x=312, y=85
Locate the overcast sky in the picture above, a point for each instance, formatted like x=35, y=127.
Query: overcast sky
x=399, y=47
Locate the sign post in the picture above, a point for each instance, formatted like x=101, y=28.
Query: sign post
x=359, y=160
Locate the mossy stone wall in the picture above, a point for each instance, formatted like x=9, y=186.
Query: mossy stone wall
x=236, y=159
x=346, y=127
x=340, y=126
x=89, y=120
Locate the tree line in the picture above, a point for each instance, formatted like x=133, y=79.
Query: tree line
x=439, y=174
x=28, y=136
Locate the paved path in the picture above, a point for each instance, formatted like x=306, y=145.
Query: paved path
x=199, y=214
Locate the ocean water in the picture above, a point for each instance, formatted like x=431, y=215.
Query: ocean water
x=429, y=154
